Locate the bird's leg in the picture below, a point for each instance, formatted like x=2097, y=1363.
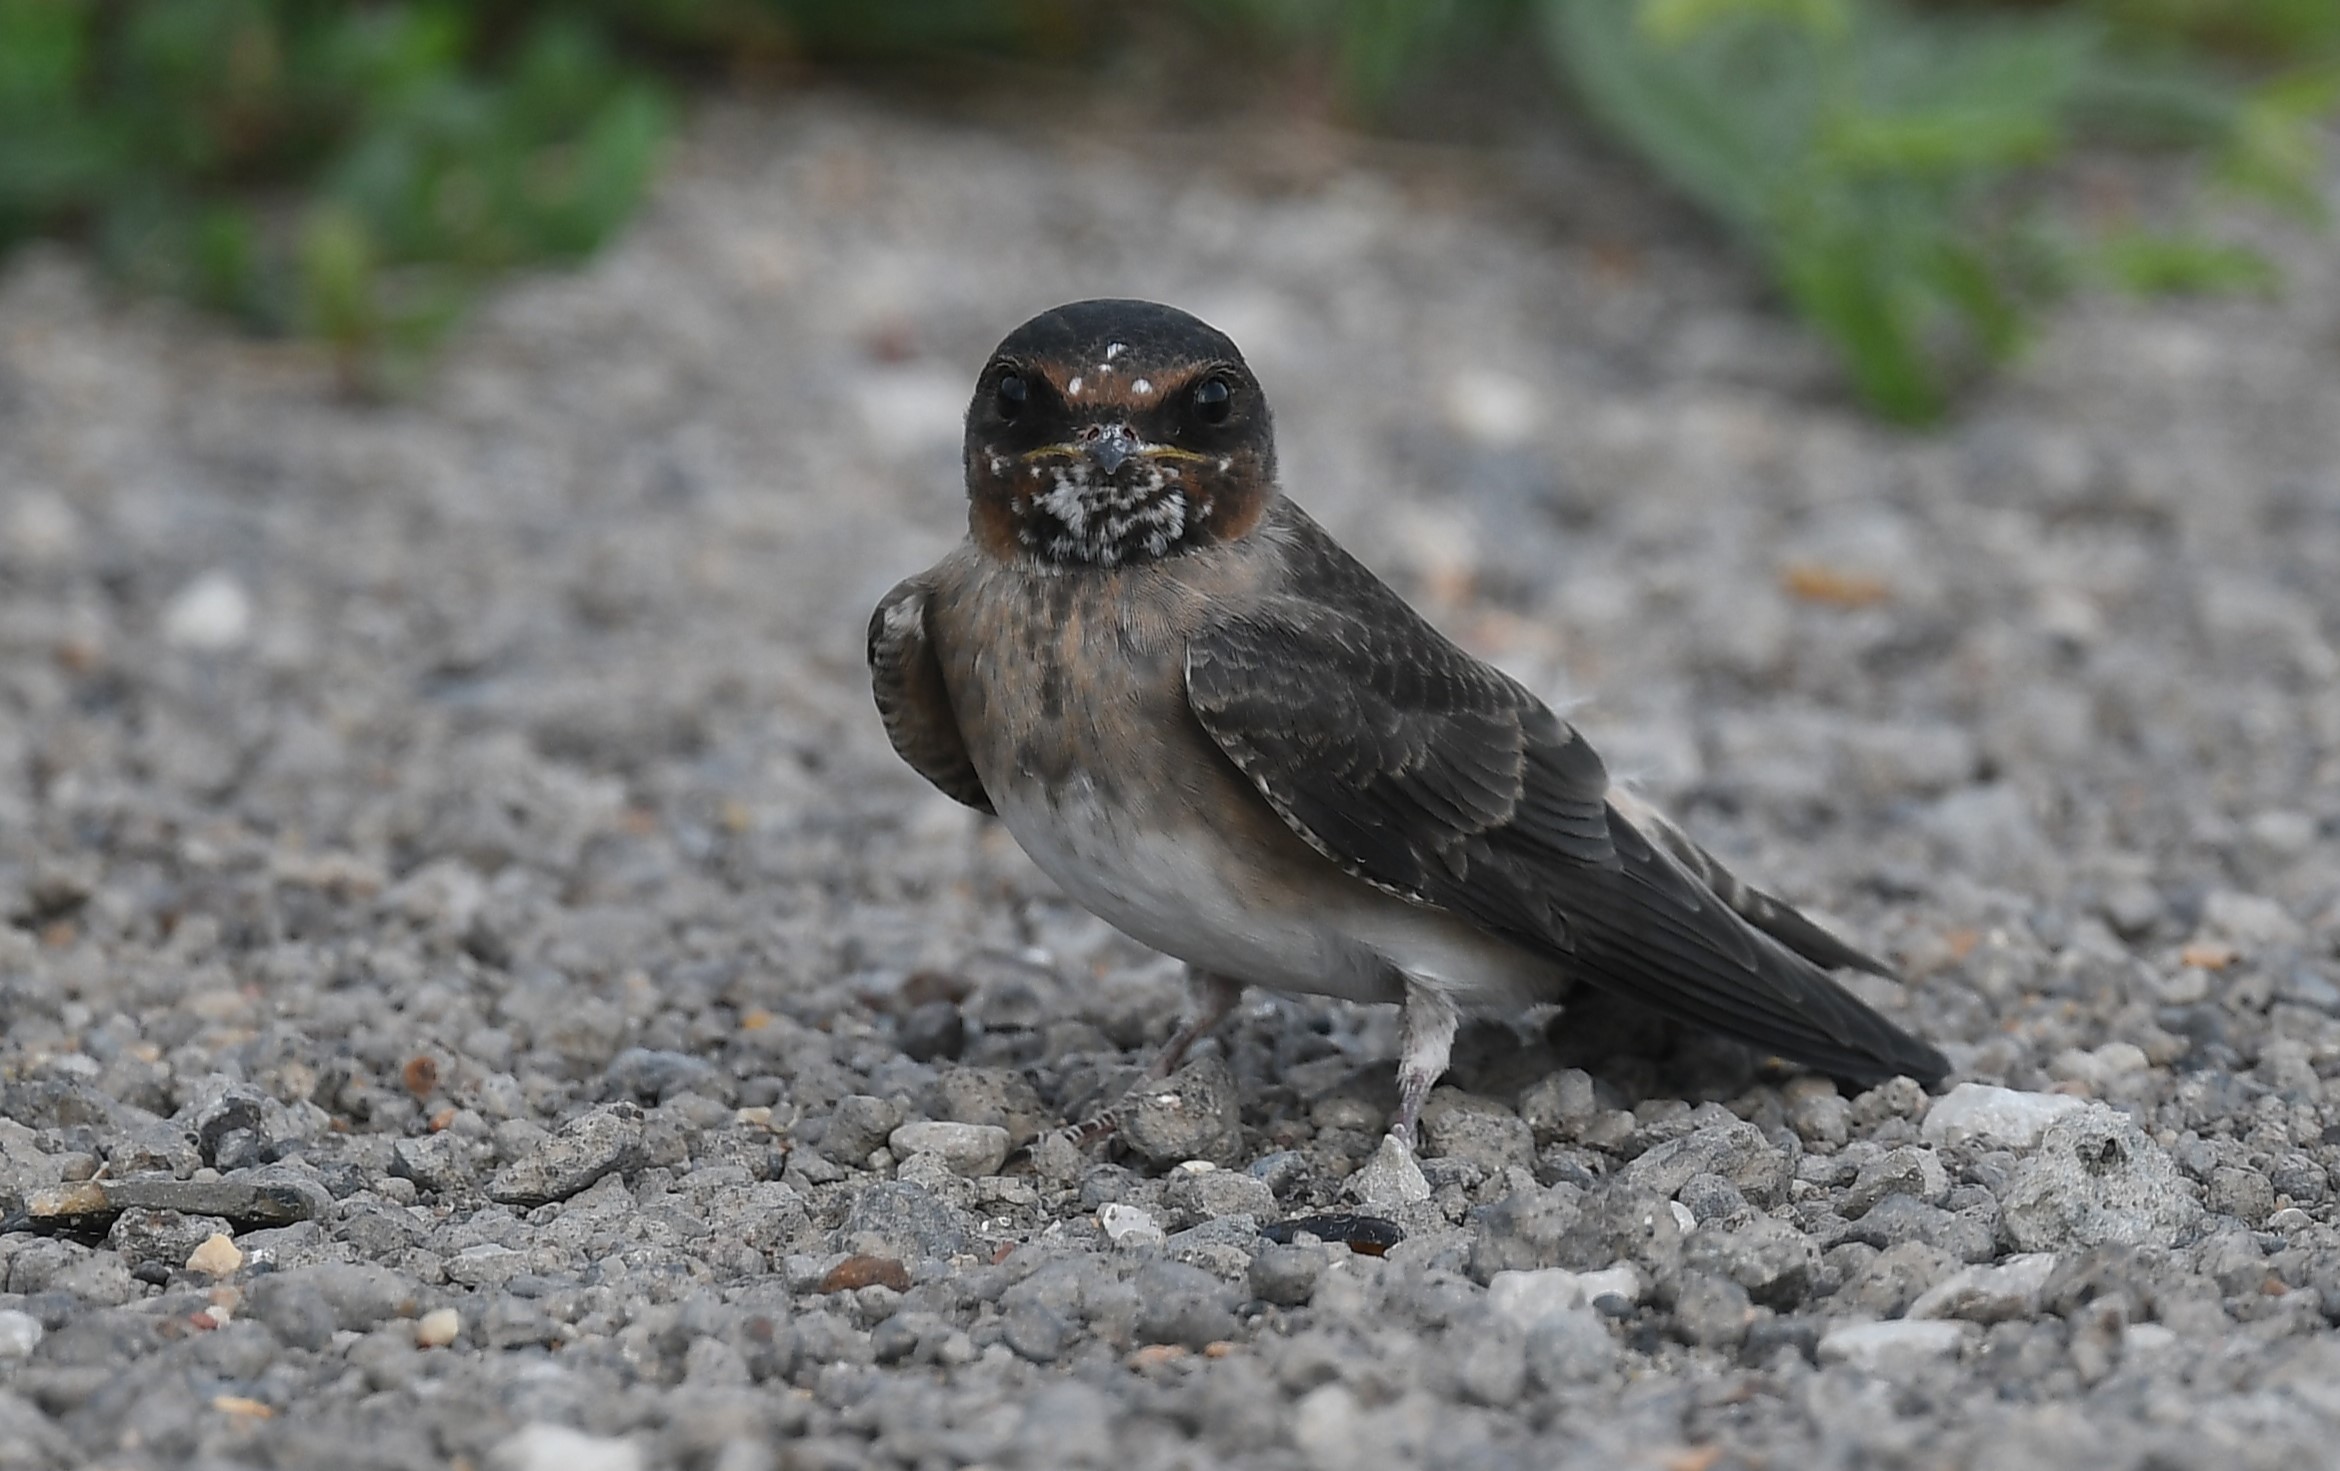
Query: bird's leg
x=1425, y=1043
x=1209, y=999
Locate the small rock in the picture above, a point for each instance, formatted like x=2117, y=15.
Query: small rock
x=1182, y=1304
x=1557, y=1107
x=1527, y=1298
x=1464, y=1126
x=1571, y=1347
x=898, y=1219
x=546, y=1447
x=20, y=1334
x=160, y=1238
x=1033, y=1332
x=2096, y=1179
x=1988, y=1294
x=1209, y=1194
x=440, y=1163
x=210, y=615
x=1904, y=1171
x=437, y=1328
x=969, y=1149
x=1129, y=1226
x=858, y=1125
x=992, y=1095
x=1287, y=1275
x=1192, y=1114
x=1896, y=1349
x=1774, y=1261
x=1712, y=1312
x=600, y=1142
x=217, y=1256
x=1389, y=1181
x=1737, y=1151
x=1994, y=1118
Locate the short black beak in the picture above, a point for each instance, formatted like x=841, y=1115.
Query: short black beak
x=1111, y=448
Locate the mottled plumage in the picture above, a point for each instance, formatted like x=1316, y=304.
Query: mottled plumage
x=1240, y=747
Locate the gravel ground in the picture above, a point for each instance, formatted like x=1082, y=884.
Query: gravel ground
x=479, y=991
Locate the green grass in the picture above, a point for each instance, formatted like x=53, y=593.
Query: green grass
x=355, y=171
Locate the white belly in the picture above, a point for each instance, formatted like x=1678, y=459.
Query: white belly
x=1172, y=887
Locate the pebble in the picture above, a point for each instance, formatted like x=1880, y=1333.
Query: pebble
x=20, y=1334
x=1905, y=1348
x=1129, y=1226
x=1527, y=1298
x=580, y=1152
x=1736, y=1151
x=545, y=1447
x=438, y=1328
x=968, y=1149
x=1391, y=1180
x=2096, y=1179
x=217, y=1256
x=1192, y=1114
x=210, y=615
x=1988, y=1294
x=1994, y=1118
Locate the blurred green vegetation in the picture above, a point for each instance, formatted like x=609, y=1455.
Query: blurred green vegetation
x=354, y=171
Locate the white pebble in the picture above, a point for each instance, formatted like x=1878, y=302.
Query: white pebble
x=1995, y=1117
x=210, y=615
x=20, y=1334
x=1129, y=1225
x=542, y=1447
x=1527, y=1298
x=437, y=1328
x=1898, y=1347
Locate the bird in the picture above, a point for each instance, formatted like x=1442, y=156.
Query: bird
x=1219, y=732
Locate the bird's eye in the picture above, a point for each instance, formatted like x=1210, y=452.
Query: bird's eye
x=1212, y=400
x=1010, y=395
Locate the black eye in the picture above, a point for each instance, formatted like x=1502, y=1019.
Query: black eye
x=1009, y=395
x=1212, y=400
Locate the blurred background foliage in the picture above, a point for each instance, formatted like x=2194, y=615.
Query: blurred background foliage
x=354, y=171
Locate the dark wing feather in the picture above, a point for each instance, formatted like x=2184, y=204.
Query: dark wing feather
x=912, y=700
x=1422, y=770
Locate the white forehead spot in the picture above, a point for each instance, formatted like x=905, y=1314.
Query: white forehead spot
x=998, y=464
x=1225, y=462
x=1141, y=386
x=1073, y=389
x=1114, y=350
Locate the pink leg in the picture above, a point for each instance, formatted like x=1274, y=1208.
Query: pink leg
x=1425, y=1043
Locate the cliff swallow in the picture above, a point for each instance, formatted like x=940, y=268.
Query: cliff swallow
x=1224, y=736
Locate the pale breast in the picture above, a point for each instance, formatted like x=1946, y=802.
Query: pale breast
x=1071, y=694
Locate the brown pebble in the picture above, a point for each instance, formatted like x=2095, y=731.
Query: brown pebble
x=421, y=1074
x=856, y=1272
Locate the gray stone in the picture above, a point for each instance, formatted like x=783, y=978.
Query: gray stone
x=989, y=1095
x=160, y=1239
x=1908, y=1170
x=2240, y=1192
x=1182, y=1304
x=968, y=1149
x=1988, y=1294
x=1994, y=1118
x=1286, y=1275
x=1570, y=1348
x=1737, y=1151
x=1034, y=1332
x=1492, y=1367
x=1897, y=1350
x=2096, y=1179
x=1559, y=1106
x=1772, y=1260
x=1194, y=1195
x=1711, y=1311
x=896, y=1219
x=443, y=1163
x=1713, y=1200
x=1390, y=1181
x=1464, y=1126
x=857, y=1126
x=1192, y=1114
x=1893, y=1279
x=600, y=1142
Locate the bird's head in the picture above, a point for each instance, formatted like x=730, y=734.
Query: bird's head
x=1105, y=433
